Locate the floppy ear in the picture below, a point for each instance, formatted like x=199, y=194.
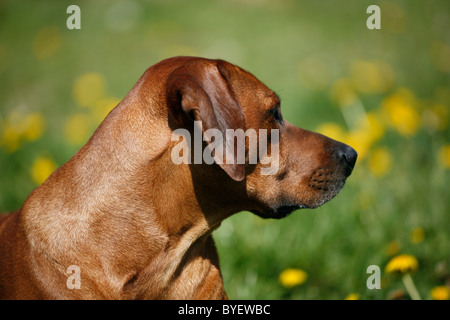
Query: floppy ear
x=202, y=92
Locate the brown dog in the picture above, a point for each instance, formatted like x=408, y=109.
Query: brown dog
x=129, y=223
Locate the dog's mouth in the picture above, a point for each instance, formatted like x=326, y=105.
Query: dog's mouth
x=284, y=211
x=319, y=195
x=278, y=212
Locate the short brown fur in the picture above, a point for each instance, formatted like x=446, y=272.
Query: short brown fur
x=137, y=225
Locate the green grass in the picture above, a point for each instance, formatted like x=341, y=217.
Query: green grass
x=299, y=49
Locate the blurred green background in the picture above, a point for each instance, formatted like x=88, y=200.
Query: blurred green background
x=385, y=92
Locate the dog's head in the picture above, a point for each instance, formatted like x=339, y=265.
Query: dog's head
x=282, y=167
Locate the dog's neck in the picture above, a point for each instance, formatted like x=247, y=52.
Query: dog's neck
x=128, y=218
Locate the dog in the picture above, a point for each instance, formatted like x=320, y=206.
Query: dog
x=121, y=220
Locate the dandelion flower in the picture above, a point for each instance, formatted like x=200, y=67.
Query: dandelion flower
x=405, y=264
x=19, y=127
x=88, y=89
x=102, y=107
x=402, y=263
x=10, y=139
x=34, y=126
x=444, y=156
x=352, y=296
x=292, y=277
x=343, y=92
x=393, y=248
x=440, y=293
x=380, y=162
x=400, y=112
x=435, y=118
x=47, y=42
x=41, y=169
x=332, y=130
x=372, y=76
x=77, y=129
x=374, y=126
x=417, y=235
x=361, y=141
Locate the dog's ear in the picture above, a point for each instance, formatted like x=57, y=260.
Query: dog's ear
x=201, y=91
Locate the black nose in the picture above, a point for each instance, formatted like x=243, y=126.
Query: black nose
x=348, y=157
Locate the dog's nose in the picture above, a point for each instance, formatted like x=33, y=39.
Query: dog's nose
x=347, y=155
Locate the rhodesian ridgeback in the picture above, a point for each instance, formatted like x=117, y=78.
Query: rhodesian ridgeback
x=132, y=223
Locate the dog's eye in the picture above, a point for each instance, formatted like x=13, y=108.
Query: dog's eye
x=276, y=113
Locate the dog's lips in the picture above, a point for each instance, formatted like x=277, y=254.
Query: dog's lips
x=279, y=212
x=287, y=210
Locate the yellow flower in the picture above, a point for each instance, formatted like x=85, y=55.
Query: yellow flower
x=292, y=277
x=403, y=263
x=19, y=127
x=343, y=92
x=394, y=17
x=78, y=129
x=46, y=42
x=444, y=156
x=417, y=235
x=369, y=130
x=10, y=139
x=440, y=293
x=88, y=89
x=435, y=118
x=400, y=112
x=34, y=126
x=393, y=248
x=352, y=296
x=371, y=76
x=102, y=107
x=374, y=126
x=380, y=162
x=41, y=169
x=361, y=141
x=332, y=130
